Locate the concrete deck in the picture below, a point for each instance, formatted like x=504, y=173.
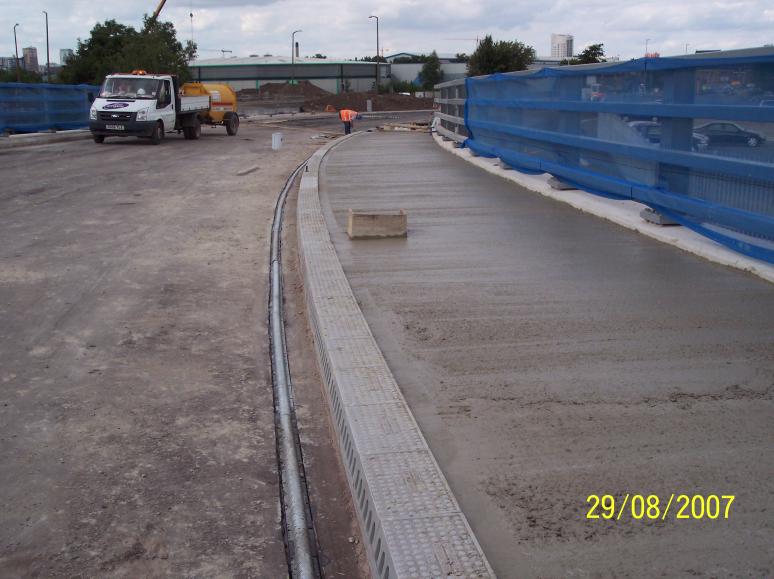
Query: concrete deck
x=549, y=355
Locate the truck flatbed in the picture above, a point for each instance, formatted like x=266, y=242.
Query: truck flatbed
x=190, y=104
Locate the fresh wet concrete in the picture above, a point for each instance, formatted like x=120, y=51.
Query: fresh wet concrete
x=549, y=355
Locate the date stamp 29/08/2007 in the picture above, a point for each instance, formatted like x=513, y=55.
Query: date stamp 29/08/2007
x=653, y=507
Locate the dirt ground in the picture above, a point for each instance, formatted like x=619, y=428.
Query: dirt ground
x=136, y=414
x=315, y=99
x=357, y=101
x=549, y=355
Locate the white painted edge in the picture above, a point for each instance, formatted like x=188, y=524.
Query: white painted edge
x=623, y=213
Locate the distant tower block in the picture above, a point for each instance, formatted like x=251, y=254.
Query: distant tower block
x=561, y=45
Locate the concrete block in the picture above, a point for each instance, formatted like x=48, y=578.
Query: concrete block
x=560, y=185
x=654, y=217
x=373, y=225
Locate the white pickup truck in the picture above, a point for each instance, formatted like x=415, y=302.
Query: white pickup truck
x=147, y=106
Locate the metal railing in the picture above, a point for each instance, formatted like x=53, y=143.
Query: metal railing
x=691, y=137
x=451, y=113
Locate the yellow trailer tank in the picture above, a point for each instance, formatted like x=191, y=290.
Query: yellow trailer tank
x=223, y=104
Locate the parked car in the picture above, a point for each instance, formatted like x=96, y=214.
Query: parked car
x=725, y=133
x=651, y=132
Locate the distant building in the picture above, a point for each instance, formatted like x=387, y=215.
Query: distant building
x=65, y=54
x=30, y=58
x=252, y=73
x=541, y=61
x=442, y=58
x=410, y=71
x=7, y=63
x=561, y=45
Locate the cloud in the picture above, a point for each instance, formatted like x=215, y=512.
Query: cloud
x=342, y=29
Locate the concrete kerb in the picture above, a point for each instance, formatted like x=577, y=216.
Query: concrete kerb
x=624, y=213
x=411, y=524
x=33, y=139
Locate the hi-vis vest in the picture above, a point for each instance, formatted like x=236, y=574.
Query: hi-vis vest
x=347, y=115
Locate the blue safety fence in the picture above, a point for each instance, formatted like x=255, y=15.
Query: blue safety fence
x=28, y=108
x=692, y=137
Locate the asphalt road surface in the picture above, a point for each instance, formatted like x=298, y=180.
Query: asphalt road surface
x=549, y=355
x=136, y=416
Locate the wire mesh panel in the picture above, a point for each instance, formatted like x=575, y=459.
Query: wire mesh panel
x=692, y=137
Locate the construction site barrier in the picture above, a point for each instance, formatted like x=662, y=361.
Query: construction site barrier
x=29, y=108
x=692, y=137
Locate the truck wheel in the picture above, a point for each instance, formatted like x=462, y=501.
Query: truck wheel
x=232, y=124
x=196, y=128
x=158, y=134
x=99, y=138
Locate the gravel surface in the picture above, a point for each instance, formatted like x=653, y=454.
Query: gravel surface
x=136, y=416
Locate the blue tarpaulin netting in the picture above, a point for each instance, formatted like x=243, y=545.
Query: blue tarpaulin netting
x=691, y=137
x=28, y=108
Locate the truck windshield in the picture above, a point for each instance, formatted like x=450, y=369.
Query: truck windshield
x=129, y=88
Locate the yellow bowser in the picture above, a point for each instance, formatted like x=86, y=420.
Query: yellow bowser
x=223, y=104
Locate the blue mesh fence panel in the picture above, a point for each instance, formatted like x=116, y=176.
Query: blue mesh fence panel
x=692, y=137
x=26, y=108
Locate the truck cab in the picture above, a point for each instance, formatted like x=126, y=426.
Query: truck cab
x=145, y=105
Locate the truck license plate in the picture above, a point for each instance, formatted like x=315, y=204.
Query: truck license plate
x=115, y=127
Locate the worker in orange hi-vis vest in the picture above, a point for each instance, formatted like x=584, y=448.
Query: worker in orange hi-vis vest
x=347, y=116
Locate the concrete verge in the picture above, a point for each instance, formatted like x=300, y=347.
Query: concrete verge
x=411, y=523
x=624, y=213
x=32, y=139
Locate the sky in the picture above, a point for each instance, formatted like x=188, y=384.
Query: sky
x=342, y=29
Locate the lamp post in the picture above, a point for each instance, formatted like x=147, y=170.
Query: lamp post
x=293, y=56
x=646, y=47
x=16, y=44
x=48, y=53
x=376, y=84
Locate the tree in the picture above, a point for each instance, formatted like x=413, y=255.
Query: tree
x=157, y=49
x=114, y=47
x=590, y=55
x=431, y=73
x=101, y=54
x=461, y=57
x=24, y=76
x=501, y=56
x=402, y=86
x=318, y=55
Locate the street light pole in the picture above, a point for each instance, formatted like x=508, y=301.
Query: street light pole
x=293, y=56
x=48, y=53
x=646, y=47
x=376, y=85
x=16, y=44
